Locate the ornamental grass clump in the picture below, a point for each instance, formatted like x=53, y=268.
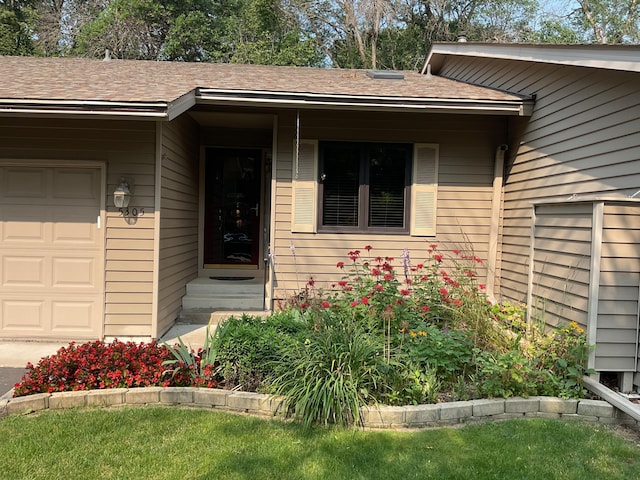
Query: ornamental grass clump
x=334, y=372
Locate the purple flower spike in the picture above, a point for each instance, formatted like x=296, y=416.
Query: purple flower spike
x=406, y=261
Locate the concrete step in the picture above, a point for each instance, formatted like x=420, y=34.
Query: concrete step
x=204, y=316
x=201, y=287
x=236, y=302
x=211, y=294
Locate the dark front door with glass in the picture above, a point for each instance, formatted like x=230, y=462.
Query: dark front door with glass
x=232, y=207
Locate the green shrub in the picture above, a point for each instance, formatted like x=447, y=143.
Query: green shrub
x=562, y=354
x=248, y=347
x=506, y=374
x=413, y=384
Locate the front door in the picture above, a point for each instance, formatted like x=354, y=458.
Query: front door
x=232, y=207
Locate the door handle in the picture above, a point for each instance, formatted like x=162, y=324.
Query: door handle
x=256, y=208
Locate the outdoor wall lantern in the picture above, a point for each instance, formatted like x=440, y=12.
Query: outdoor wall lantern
x=122, y=194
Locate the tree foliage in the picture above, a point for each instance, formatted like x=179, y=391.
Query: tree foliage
x=16, y=20
x=379, y=34
x=609, y=21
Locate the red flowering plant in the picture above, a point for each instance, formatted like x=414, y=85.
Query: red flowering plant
x=428, y=315
x=98, y=365
x=397, y=296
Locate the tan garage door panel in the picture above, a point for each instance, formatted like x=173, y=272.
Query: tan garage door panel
x=51, y=252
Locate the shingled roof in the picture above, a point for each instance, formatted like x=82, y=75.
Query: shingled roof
x=30, y=84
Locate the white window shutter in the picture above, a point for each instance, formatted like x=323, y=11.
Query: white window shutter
x=304, y=182
x=424, y=190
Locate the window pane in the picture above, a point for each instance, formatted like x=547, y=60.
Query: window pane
x=341, y=186
x=387, y=173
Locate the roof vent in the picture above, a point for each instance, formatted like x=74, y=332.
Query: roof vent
x=385, y=75
x=107, y=55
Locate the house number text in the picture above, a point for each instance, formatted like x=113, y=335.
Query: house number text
x=131, y=212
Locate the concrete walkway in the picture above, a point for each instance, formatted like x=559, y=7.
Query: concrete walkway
x=191, y=334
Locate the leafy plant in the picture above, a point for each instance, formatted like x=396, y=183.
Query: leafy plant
x=506, y=374
x=414, y=385
x=201, y=365
x=248, y=347
x=448, y=353
x=563, y=353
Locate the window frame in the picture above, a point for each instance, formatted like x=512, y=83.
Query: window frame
x=364, y=189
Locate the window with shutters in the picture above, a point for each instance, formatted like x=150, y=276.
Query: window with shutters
x=364, y=186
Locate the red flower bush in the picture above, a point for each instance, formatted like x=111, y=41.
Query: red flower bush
x=97, y=365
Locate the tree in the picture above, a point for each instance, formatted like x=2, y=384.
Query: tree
x=58, y=23
x=609, y=21
x=246, y=31
x=555, y=30
x=16, y=17
x=378, y=34
x=502, y=20
x=149, y=30
x=397, y=33
x=268, y=32
x=347, y=31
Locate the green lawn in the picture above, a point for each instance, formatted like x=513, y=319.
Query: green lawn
x=172, y=443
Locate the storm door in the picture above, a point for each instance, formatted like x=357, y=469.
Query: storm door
x=232, y=207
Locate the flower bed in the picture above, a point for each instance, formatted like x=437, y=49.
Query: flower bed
x=100, y=365
x=382, y=334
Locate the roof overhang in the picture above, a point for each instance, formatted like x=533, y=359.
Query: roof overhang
x=15, y=107
x=609, y=57
x=519, y=107
x=82, y=108
x=248, y=98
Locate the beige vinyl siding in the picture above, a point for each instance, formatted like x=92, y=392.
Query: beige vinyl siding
x=561, y=262
x=583, y=138
x=617, y=332
x=127, y=148
x=178, y=255
x=464, y=191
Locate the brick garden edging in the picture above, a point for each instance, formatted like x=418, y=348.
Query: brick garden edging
x=436, y=415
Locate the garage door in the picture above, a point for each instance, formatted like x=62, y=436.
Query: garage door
x=51, y=252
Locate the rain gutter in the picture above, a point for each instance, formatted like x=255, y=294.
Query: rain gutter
x=346, y=102
x=157, y=110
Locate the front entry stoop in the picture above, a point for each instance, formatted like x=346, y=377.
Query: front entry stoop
x=205, y=316
x=208, y=301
